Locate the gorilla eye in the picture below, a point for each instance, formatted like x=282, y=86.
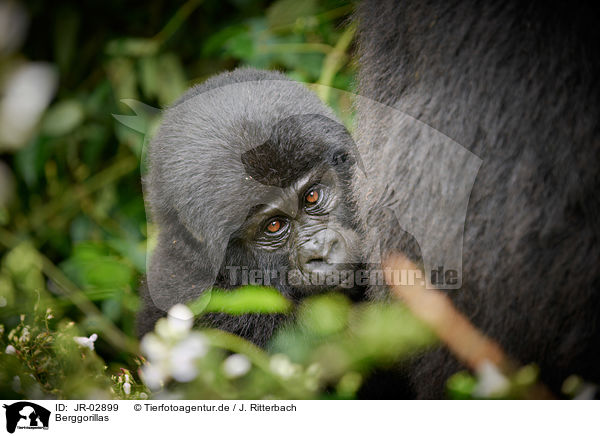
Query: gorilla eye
x=274, y=226
x=273, y=232
x=312, y=196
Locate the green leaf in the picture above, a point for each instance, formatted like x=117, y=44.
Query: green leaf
x=112, y=308
x=130, y=249
x=89, y=251
x=171, y=79
x=62, y=118
x=215, y=43
x=325, y=314
x=149, y=76
x=460, y=386
x=30, y=160
x=94, y=267
x=241, y=46
x=286, y=12
x=387, y=331
x=132, y=47
x=248, y=299
x=108, y=273
x=65, y=37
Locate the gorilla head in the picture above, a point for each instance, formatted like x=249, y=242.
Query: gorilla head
x=249, y=184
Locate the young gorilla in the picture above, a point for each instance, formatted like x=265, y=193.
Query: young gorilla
x=248, y=174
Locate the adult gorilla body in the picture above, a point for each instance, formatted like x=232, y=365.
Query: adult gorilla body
x=515, y=83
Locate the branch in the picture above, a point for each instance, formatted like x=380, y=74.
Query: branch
x=461, y=337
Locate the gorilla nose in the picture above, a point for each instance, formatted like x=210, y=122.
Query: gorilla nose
x=322, y=251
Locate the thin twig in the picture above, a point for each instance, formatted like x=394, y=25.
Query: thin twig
x=296, y=47
x=228, y=341
x=74, y=195
x=319, y=18
x=437, y=311
x=176, y=21
x=463, y=339
x=334, y=62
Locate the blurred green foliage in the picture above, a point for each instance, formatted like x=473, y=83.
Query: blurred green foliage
x=74, y=221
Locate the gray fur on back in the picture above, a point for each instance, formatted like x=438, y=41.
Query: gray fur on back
x=515, y=83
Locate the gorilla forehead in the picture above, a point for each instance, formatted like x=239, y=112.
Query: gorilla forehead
x=221, y=147
x=296, y=145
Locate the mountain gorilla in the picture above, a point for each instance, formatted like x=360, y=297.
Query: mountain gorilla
x=516, y=84
x=249, y=176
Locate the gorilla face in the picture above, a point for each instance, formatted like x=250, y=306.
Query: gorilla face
x=249, y=183
x=303, y=231
x=304, y=223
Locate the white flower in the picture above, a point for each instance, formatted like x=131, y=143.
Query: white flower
x=281, y=364
x=86, y=342
x=180, y=318
x=184, y=356
x=236, y=365
x=143, y=396
x=178, y=323
x=490, y=381
x=10, y=350
x=184, y=371
x=25, y=335
x=153, y=376
x=27, y=92
x=153, y=347
x=127, y=388
x=16, y=384
x=172, y=350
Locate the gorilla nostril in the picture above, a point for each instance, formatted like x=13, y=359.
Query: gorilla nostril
x=334, y=245
x=331, y=250
x=323, y=251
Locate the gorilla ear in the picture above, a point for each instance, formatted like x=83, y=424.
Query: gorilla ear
x=349, y=155
x=179, y=272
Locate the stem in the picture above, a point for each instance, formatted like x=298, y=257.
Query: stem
x=319, y=18
x=299, y=47
x=75, y=194
x=229, y=341
x=463, y=339
x=176, y=21
x=334, y=62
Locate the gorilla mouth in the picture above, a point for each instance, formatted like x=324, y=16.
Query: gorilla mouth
x=317, y=264
x=320, y=275
x=321, y=266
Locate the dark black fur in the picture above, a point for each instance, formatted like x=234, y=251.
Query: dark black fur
x=226, y=149
x=516, y=83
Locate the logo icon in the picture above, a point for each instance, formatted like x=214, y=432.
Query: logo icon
x=26, y=415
